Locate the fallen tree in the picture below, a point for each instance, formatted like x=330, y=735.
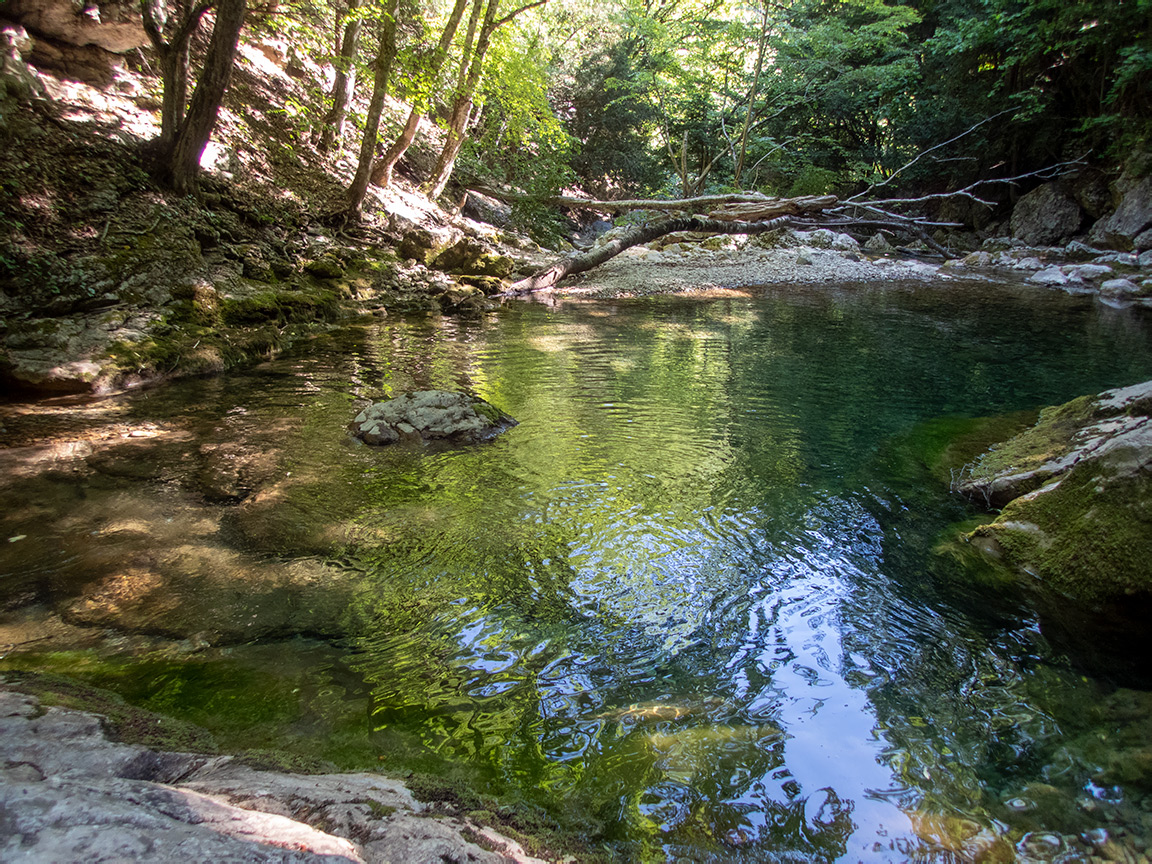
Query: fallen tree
x=580, y=262
x=738, y=214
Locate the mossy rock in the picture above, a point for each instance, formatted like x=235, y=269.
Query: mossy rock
x=122, y=722
x=281, y=307
x=327, y=267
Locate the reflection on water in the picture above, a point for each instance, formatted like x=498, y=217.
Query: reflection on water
x=690, y=605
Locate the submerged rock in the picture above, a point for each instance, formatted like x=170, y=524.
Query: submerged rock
x=1076, y=492
x=430, y=414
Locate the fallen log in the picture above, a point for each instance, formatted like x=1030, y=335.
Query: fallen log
x=700, y=204
x=583, y=261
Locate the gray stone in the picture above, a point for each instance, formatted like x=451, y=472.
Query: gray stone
x=1145, y=259
x=1132, y=218
x=1078, y=249
x=977, y=259
x=1049, y=276
x=1045, y=215
x=845, y=243
x=1119, y=288
x=430, y=414
x=1028, y=263
x=1090, y=272
x=1125, y=258
x=67, y=793
x=1143, y=241
x=878, y=244
x=804, y=258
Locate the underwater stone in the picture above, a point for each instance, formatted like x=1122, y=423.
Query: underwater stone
x=430, y=414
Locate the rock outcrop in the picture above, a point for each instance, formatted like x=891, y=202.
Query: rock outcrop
x=1076, y=493
x=428, y=415
x=68, y=793
x=1132, y=219
x=1046, y=215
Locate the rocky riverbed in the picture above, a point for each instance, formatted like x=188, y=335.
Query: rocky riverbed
x=71, y=791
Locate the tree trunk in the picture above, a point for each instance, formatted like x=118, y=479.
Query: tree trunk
x=550, y=276
x=462, y=107
x=752, y=98
x=382, y=71
x=382, y=171
x=194, y=132
x=345, y=83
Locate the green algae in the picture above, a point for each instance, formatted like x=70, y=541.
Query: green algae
x=1090, y=536
x=1050, y=438
x=123, y=722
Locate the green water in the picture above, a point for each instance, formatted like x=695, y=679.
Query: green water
x=701, y=603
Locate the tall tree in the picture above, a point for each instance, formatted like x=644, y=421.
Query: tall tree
x=181, y=159
x=381, y=72
x=345, y=82
x=382, y=170
x=471, y=68
x=169, y=31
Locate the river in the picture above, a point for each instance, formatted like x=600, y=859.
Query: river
x=705, y=602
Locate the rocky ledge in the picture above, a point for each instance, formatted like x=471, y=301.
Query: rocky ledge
x=68, y=793
x=1076, y=493
x=426, y=415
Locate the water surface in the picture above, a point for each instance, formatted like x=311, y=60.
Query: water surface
x=702, y=602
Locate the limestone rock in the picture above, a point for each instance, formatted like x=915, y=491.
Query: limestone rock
x=1075, y=490
x=1119, y=288
x=1045, y=215
x=878, y=244
x=430, y=414
x=1049, y=276
x=113, y=25
x=1132, y=218
x=69, y=794
x=468, y=256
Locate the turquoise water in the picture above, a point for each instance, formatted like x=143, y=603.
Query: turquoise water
x=703, y=602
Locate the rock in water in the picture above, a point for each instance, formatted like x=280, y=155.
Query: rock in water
x=430, y=414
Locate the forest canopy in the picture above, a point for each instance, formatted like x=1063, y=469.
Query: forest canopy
x=796, y=97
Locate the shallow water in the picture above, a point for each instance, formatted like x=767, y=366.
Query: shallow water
x=701, y=602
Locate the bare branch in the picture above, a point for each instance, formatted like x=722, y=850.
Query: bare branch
x=924, y=153
x=522, y=9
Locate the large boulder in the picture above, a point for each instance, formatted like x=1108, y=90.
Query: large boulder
x=1046, y=215
x=1076, y=492
x=113, y=25
x=1132, y=218
x=427, y=415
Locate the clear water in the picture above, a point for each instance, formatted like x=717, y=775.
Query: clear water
x=700, y=603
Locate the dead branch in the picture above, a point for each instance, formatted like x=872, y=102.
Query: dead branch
x=701, y=204
x=581, y=262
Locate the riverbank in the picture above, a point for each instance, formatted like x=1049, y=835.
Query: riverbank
x=78, y=785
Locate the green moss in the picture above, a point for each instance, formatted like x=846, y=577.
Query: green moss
x=380, y=811
x=1049, y=439
x=281, y=307
x=945, y=445
x=285, y=761
x=123, y=722
x=487, y=411
x=1090, y=537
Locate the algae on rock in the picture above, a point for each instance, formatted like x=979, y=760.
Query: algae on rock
x=1076, y=492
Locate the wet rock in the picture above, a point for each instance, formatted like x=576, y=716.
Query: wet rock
x=216, y=595
x=430, y=414
x=1120, y=288
x=1090, y=272
x=70, y=794
x=1080, y=250
x=230, y=472
x=1049, y=276
x=1075, y=491
x=1045, y=215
